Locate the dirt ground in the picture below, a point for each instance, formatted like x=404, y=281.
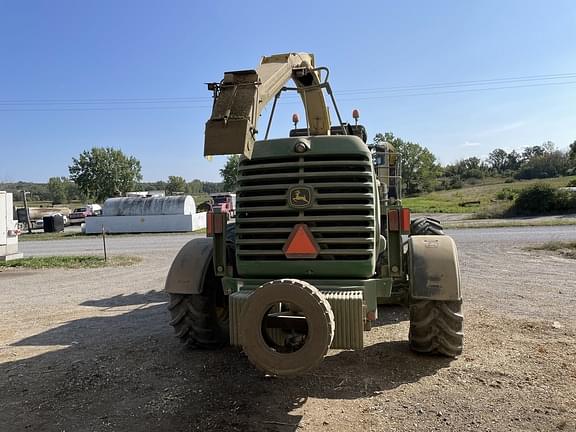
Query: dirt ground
x=91, y=350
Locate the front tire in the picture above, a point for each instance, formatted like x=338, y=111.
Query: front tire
x=436, y=327
x=201, y=320
x=426, y=226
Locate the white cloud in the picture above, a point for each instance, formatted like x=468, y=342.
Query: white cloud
x=471, y=144
x=503, y=128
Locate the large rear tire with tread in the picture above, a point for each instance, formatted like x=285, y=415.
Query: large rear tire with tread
x=201, y=320
x=426, y=226
x=436, y=327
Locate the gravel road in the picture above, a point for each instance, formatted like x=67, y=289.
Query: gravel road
x=91, y=350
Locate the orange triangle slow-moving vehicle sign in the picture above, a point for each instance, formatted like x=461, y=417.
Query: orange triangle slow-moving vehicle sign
x=301, y=243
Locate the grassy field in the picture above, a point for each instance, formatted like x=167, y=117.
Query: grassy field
x=70, y=262
x=451, y=201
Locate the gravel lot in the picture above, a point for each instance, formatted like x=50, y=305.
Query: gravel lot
x=91, y=350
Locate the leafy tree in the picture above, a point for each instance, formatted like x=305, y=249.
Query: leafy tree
x=547, y=165
x=532, y=152
x=176, y=184
x=466, y=168
x=230, y=173
x=572, y=151
x=72, y=192
x=513, y=160
x=497, y=160
x=472, y=163
x=38, y=191
x=151, y=186
x=212, y=187
x=194, y=187
x=549, y=147
x=419, y=168
x=104, y=172
x=58, y=190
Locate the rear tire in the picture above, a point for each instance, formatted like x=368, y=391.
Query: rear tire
x=436, y=327
x=426, y=226
x=201, y=320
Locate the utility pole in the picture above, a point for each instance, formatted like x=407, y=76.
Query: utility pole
x=24, y=193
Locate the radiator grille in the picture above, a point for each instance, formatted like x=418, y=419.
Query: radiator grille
x=341, y=216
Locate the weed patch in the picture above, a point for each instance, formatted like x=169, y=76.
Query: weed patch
x=567, y=249
x=70, y=262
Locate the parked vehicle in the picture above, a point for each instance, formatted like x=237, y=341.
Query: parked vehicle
x=80, y=213
x=225, y=201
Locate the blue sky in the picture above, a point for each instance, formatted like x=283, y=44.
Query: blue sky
x=59, y=58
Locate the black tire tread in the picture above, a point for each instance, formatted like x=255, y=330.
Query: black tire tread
x=426, y=226
x=436, y=327
x=194, y=317
x=194, y=322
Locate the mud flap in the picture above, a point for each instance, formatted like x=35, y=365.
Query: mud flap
x=433, y=268
x=188, y=269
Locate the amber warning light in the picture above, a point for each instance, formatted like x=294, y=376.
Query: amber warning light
x=295, y=120
x=356, y=115
x=301, y=243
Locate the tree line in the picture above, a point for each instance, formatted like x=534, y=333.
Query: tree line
x=421, y=171
x=101, y=173
x=60, y=190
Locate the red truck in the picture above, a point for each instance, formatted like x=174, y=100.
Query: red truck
x=225, y=201
x=79, y=214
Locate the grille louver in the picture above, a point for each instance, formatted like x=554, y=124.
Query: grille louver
x=342, y=217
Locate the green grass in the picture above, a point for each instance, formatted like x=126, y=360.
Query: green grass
x=70, y=262
x=49, y=236
x=449, y=201
x=78, y=235
x=567, y=249
x=438, y=202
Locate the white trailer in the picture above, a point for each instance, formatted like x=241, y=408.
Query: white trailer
x=147, y=214
x=8, y=229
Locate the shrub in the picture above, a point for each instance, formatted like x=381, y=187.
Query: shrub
x=571, y=183
x=506, y=194
x=456, y=183
x=473, y=181
x=475, y=173
x=509, y=180
x=542, y=198
x=565, y=200
x=448, y=183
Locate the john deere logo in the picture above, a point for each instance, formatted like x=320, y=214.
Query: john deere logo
x=300, y=196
